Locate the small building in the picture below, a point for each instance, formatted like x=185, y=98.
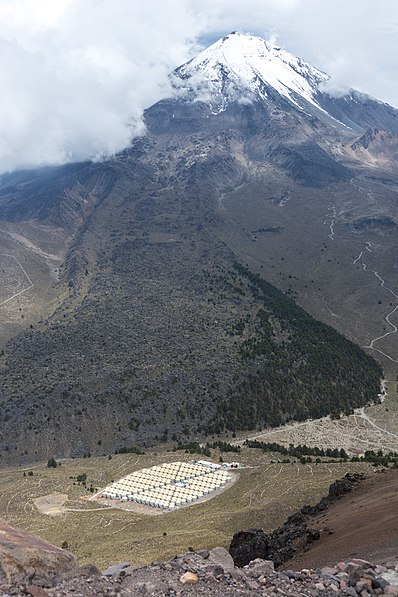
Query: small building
x=208, y=464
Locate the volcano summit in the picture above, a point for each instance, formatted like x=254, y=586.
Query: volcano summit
x=223, y=272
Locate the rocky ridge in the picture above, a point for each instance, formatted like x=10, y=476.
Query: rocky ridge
x=213, y=573
x=294, y=536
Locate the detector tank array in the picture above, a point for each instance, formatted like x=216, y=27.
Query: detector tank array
x=167, y=486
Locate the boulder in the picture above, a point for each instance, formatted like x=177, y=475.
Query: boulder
x=258, y=567
x=391, y=576
x=248, y=545
x=116, y=569
x=221, y=557
x=27, y=558
x=189, y=578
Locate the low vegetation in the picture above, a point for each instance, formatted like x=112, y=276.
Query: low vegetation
x=296, y=367
x=159, y=337
x=305, y=453
x=91, y=387
x=264, y=495
x=297, y=451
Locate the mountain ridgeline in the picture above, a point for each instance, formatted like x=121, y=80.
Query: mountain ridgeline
x=165, y=325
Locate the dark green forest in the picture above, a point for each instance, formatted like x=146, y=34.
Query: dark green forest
x=293, y=367
x=217, y=350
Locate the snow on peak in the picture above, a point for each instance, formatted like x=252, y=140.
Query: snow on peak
x=240, y=67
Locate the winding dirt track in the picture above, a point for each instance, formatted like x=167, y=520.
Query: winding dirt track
x=330, y=220
x=382, y=284
x=363, y=523
x=24, y=289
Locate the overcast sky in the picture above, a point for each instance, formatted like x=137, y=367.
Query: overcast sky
x=76, y=75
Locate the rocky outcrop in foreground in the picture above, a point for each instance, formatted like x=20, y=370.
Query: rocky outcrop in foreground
x=26, y=558
x=294, y=536
x=31, y=566
x=212, y=574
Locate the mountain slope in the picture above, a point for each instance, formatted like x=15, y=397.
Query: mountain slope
x=157, y=334
x=169, y=339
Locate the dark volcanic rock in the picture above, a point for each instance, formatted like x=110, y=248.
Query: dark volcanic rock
x=293, y=536
x=189, y=574
x=344, y=485
x=249, y=545
x=309, y=164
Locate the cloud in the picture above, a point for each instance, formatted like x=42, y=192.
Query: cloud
x=76, y=75
x=76, y=79
x=355, y=42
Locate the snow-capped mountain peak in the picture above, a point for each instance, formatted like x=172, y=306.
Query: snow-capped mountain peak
x=240, y=67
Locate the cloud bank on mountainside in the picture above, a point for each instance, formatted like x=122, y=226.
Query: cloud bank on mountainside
x=75, y=81
x=76, y=75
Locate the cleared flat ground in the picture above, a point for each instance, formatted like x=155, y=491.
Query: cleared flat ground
x=372, y=428
x=264, y=495
x=144, y=509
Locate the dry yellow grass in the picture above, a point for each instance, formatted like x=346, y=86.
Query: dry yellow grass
x=265, y=494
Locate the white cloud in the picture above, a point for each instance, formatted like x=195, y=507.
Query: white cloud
x=75, y=81
x=76, y=75
x=355, y=42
